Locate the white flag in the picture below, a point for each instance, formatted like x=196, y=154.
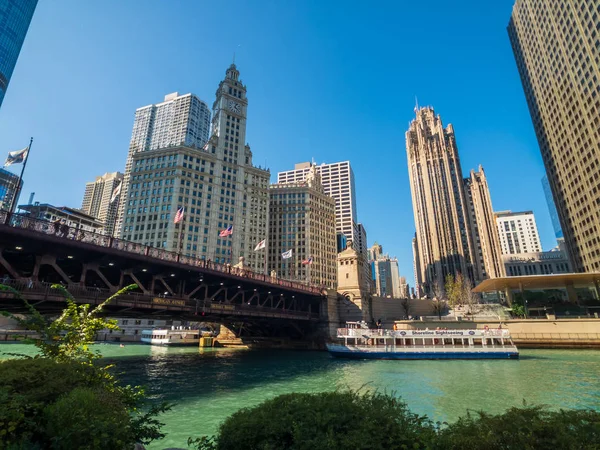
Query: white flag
x=116, y=192
x=16, y=157
x=286, y=255
x=262, y=244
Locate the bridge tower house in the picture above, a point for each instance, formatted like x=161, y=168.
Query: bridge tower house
x=354, y=295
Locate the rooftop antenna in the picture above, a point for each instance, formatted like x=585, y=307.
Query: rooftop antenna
x=416, y=104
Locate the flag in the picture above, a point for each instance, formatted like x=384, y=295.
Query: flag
x=16, y=157
x=179, y=215
x=286, y=255
x=227, y=231
x=262, y=244
x=116, y=192
x=308, y=261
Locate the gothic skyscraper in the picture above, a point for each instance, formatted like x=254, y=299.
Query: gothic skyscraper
x=450, y=212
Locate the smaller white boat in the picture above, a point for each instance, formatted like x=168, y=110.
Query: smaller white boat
x=171, y=337
x=356, y=341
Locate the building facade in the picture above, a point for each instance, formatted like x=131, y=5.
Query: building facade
x=556, y=49
x=385, y=275
x=518, y=232
x=9, y=188
x=486, y=242
x=180, y=120
x=536, y=263
x=98, y=199
x=342, y=242
x=453, y=216
x=418, y=289
x=63, y=215
x=15, y=17
x=217, y=186
x=338, y=182
x=302, y=219
x=558, y=233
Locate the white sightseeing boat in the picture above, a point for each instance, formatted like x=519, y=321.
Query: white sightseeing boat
x=162, y=336
x=356, y=341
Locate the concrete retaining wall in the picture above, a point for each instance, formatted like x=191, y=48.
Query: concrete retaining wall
x=391, y=309
x=565, y=333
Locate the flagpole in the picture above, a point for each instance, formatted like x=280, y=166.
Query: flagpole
x=181, y=233
x=19, y=185
x=265, y=249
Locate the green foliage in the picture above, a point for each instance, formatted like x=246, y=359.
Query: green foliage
x=454, y=289
x=332, y=420
x=43, y=399
x=518, y=310
x=26, y=387
x=527, y=428
x=88, y=419
x=348, y=420
x=68, y=337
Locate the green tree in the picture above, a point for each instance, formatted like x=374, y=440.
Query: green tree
x=454, y=289
x=64, y=345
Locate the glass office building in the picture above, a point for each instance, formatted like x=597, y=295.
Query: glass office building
x=15, y=16
x=9, y=183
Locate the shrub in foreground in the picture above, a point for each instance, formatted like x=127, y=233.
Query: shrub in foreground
x=348, y=420
x=527, y=428
x=331, y=420
x=88, y=418
x=64, y=398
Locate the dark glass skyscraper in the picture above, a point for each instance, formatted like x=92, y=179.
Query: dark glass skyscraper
x=15, y=16
x=558, y=233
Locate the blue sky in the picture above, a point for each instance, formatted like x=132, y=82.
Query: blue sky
x=329, y=80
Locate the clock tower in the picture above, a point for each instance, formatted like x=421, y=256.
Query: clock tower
x=240, y=195
x=229, y=115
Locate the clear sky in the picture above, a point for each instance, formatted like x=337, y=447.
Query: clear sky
x=329, y=80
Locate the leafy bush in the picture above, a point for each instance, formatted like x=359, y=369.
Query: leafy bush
x=88, y=419
x=528, y=428
x=64, y=398
x=332, y=420
x=27, y=386
x=348, y=420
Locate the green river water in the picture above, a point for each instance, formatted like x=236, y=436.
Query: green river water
x=209, y=385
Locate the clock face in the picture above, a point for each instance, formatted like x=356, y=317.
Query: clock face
x=234, y=106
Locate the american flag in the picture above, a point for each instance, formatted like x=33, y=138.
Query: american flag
x=308, y=261
x=179, y=215
x=226, y=232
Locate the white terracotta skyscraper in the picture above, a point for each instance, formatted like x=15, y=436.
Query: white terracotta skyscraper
x=453, y=215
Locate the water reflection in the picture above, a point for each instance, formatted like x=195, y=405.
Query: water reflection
x=209, y=384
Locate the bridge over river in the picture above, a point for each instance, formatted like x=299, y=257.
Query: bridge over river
x=35, y=254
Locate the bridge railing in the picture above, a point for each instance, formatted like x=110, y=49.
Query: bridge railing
x=75, y=234
x=140, y=300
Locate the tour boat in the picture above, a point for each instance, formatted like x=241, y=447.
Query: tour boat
x=162, y=336
x=358, y=342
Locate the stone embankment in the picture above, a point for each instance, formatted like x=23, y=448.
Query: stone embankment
x=540, y=333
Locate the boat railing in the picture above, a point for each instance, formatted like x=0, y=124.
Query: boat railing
x=430, y=348
x=374, y=333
